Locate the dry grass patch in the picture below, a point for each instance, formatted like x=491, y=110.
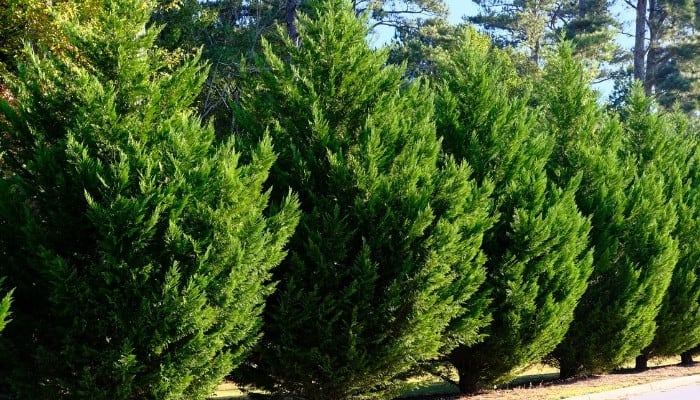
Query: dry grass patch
x=538, y=382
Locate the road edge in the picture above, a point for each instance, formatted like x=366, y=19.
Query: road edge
x=655, y=386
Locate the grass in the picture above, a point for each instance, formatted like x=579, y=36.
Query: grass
x=535, y=376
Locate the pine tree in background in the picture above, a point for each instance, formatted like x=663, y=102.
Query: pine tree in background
x=229, y=31
x=536, y=25
x=591, y=27
x=388, y=250
x=666, y=48
x=538, y=261
x=518, y=23
x=140, y=253
x=634, y=252
x=668, y=141
x=419, y=48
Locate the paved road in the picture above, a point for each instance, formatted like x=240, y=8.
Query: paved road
x=681, y=393
x=681, y=388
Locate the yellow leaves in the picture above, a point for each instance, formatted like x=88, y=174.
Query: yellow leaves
x=39, y=23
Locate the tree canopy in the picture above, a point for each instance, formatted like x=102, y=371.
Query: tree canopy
x=139, y=251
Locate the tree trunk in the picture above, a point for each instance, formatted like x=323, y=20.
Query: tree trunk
x=468, y=370
x=640, y=40
x=652, y=50
x=687, y=358
x=467, y=385
x=640, y=363
x=291, y=18
x=655, y=23
x=567, y=371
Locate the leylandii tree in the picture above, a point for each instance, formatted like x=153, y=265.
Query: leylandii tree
x=388, y=249
x=667, y=140
x=140, y=252
x=4, y=309
x=632, y=218
x=538, y=261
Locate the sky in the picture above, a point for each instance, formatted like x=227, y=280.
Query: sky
x=458, y=8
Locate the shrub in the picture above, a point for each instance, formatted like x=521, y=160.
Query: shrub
x=632, y=224
x=388, y=249
x=538, y=260
x=140, y=251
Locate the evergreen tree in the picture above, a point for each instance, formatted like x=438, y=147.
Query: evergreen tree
x=518, y=23
x=667, y=44
x=533, y=25
x=388, y=250
x=538, y=261
x=591, y=28
x=634, y=252
x=420, y=48
x=140, y=253
x=4, y=309
x=229, y=31
x=666, y=139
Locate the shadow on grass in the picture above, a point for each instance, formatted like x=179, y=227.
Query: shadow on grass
x=441, y=390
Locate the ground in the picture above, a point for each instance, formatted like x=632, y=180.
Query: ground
x=538, y=383
x=555, y=390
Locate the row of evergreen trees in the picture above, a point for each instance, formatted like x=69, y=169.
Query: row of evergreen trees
x=481, y=219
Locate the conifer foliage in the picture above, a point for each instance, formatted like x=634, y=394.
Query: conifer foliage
x=387, y=253
x=140, y=252
x=538, y=259
x=666, y=139
x=4, y=309
x=632, y=218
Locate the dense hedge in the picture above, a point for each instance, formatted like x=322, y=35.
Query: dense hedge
x=486, y=217
x=138, y=249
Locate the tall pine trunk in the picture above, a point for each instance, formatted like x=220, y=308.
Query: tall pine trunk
x=640, y=47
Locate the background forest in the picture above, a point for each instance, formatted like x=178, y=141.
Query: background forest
x=199, y=190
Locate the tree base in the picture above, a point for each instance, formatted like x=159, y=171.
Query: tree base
x=641, y=363
x=687, y=358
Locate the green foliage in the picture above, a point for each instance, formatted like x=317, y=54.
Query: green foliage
x=388, y=250
x=419, y=48
x=403, y=16
x=671, y=48
x=633, y=221
x=537, y=253
x=592, y=28
x=535, y=25
x=229, y=32
x=140, y=252
x=669, y=140
x=5, y=309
